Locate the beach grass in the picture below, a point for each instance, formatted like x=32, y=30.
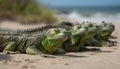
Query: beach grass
x=26, y=11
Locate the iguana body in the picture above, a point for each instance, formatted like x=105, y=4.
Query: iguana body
x=45, y=42
x=73, y=44
x=92, y=31
x=101, y=38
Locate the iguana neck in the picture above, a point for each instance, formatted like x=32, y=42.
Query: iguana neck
x=73, y=39
x=38, y=42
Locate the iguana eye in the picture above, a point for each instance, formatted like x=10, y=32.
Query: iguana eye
x=90, y=25
x=76, y=27
x=57, y=31
x=64, y=31
x=52, y=32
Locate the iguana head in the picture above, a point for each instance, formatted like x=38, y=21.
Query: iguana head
x=78, y=32
x=54, y=39
x=92, y=31
x=75, y=35
x=106, y=30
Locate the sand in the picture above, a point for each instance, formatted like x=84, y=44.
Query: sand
x=108, y=58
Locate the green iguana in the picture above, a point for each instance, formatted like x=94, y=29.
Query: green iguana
x=78, y=36
x=45, y=42
x=101, y=38
x=106, y=30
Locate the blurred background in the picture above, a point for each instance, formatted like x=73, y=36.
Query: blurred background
x=87, y=10
x=54, y=11
x=25, y=11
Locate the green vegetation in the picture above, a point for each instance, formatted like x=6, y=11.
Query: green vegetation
x=25, y=11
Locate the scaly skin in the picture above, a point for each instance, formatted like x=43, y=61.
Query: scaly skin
x=45, y=43
x=106, y=30
x=65, y=25
x=101, y=39
x=76, y=34
x=92, y=31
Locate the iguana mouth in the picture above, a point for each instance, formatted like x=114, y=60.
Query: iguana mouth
x=57, y=43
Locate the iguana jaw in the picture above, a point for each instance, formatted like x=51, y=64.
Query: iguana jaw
x=54, y=39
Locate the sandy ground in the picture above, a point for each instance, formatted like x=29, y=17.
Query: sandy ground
x=108, y=58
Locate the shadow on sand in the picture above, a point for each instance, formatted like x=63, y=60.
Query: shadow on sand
x=113, y=43
x=71, y=55
x=95, y=50
x=113, y=37
x=98, y=50
x=4, y=57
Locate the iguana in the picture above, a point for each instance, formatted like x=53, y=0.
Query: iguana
x=101, y=38
x=92, y=31
x=78, y=36
x=45, y=42
x=106, y=30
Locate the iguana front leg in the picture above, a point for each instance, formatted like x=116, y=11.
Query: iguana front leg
x=33, y=50
x=10, y=47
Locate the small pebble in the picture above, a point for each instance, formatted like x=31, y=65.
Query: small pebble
x=114, y=48
x=92, y=53
x=27, y=60
x=5, y=62
x=32, y=66
x=19, y=61
x=24, y=66
x=53, y=63
x=66, y=64
x=31, y=61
